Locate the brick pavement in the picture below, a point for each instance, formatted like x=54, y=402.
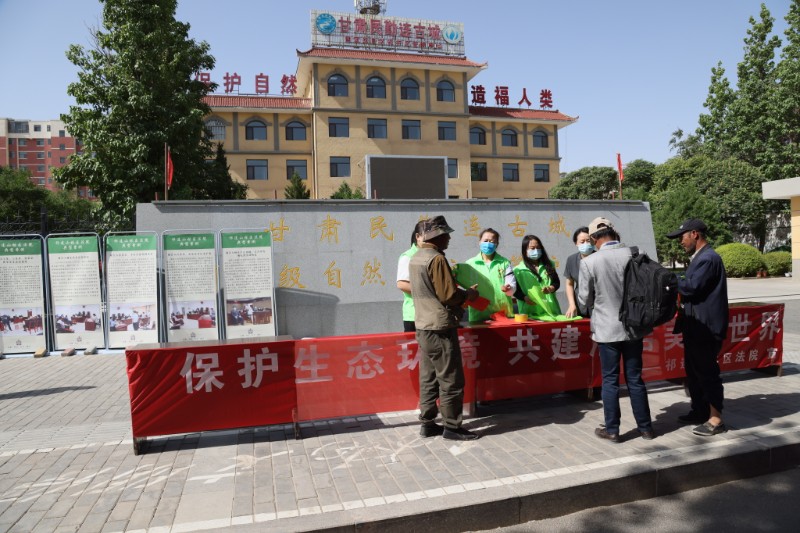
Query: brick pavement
x=66, y=461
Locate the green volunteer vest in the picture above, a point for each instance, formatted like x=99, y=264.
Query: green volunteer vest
x=408, y=301
x=490, y=279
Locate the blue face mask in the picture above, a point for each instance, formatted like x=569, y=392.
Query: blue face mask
x=535, y=253
x=488, y=248
x=586, y=248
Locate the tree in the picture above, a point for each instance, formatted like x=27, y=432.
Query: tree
x=639, y=173
x=788, y=97
x=135, y=93
x=714, y=128
x=296, y=190
x=218, y=183
x=344, y=192
x=676, y=205
x=587, y=183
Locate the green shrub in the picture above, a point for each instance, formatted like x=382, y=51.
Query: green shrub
x=740, y=260
x=778, y=263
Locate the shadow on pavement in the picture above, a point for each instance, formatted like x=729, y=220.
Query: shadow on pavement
x=41, y=392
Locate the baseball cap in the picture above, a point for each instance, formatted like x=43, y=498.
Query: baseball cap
x=692, y=224
x=599, y=223
x=435, y=227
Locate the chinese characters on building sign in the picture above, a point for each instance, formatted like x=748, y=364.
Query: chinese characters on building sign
x=388, y=33
x=233, y=82
x=501, y=96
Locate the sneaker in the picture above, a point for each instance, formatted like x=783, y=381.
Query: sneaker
x=692, y=417
x=430, y=430
x=458, y=434
x=601, y=433
x=709, y=430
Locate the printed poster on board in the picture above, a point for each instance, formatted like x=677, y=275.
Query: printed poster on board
x=22, y=297
x=75, y=290
x=132, y=290
x=191, y=280
x=247, y=271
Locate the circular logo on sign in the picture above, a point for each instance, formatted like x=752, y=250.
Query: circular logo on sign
x=326, y=23
x=451, y=34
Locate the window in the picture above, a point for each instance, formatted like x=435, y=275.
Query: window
x=39, y=155
x=62, y=146
x=48, y=127
x=539, y=139
x=477, y=136
x=376, y=128
x=23, y=142
x=62, y=133
x=338, y=127
x=296, y=166
x=255, y=130
x=11, y=155
x=40, y=168
x=49, y=141
x=337, y=85
x=340, y=167
x=39, y=142
x=23, y=155
x=478, y=172
x=376, y=88
x=215, y=127
x=37, y=127
x=62, y=160
x=411, y=129
x=295, y=131
x=452, y=168
x=445, y=92
x=541, y=172
x=509, y=137
x=257, y=169
x=510, y=171
x=49, y=154
x=409, y=89
x=447, y=131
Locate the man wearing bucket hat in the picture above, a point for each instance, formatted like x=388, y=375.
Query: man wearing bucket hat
x=600, y=291
x=703, y=320
x=437, y=312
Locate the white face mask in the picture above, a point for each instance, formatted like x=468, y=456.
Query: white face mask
x=585, y=248
x=535, y=253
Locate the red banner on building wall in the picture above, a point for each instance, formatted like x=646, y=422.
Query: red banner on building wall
x=204, y=386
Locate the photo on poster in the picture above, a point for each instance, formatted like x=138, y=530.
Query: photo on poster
x=76, y=319
x=132, y=317
x=192, y=314
x=248, y=311
x=15, y=322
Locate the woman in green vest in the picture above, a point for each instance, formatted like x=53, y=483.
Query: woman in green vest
x=492, y=274
x=537, y=282
x=402, y=278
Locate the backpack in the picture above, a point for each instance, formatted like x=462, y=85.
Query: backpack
x=650, y=293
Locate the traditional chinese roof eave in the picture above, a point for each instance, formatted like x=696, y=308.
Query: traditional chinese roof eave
x=258, y=104
x=307, y=59
x=538, y=116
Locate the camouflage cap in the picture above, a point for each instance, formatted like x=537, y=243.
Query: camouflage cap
x=435, y=227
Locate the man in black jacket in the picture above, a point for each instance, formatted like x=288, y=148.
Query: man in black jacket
x=703, y=320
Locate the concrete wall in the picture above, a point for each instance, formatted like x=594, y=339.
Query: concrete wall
x=342, y=281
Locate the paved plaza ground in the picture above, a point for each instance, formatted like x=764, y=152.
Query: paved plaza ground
x=67, y=464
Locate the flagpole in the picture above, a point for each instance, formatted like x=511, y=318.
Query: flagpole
x=620, y=177
x=166, y=151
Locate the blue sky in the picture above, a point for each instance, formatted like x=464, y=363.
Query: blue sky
x=633, y=70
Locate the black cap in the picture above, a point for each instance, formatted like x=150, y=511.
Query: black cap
x=692, y=224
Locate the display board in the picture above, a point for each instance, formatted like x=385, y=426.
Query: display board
x=248, y=288
x=131, y=289
x=74, y=269
x=22, y=299
x=401, y=177
x=191, y=286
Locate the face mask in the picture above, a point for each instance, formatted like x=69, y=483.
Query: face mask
x=488, y=248
x=535, y=253
x=585, y=248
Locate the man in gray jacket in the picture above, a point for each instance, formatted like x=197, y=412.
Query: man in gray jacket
x=437, y=311
x=600, y=291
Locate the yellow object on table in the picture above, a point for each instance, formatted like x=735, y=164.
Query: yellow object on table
x=520, y=317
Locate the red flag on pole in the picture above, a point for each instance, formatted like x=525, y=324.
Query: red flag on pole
x=170, y=168
x=619, y=166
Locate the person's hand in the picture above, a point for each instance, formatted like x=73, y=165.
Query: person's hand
x=571, y=312
x=548, y=289
x=472, y=293
x=529, y=301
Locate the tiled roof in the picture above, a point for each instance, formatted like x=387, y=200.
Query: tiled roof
x=340, y=53
x=526, y=114
x=267, y=102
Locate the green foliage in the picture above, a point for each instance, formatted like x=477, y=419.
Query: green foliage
x=740, y=260
x=296, y=190
x=778, y=263
x=588, y=183
x=344, y=192
x=675, y=206
x=135, y=92
x=217, y=182
x=638, y=174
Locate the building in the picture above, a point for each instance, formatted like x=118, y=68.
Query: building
x=788, y=189
x=38, y=146
x=356, y=95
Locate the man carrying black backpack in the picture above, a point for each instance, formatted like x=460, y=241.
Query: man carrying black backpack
x=601, y=290
x=703, y=320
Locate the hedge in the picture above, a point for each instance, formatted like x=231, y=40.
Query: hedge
x=778, y=263
x=740, y=260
